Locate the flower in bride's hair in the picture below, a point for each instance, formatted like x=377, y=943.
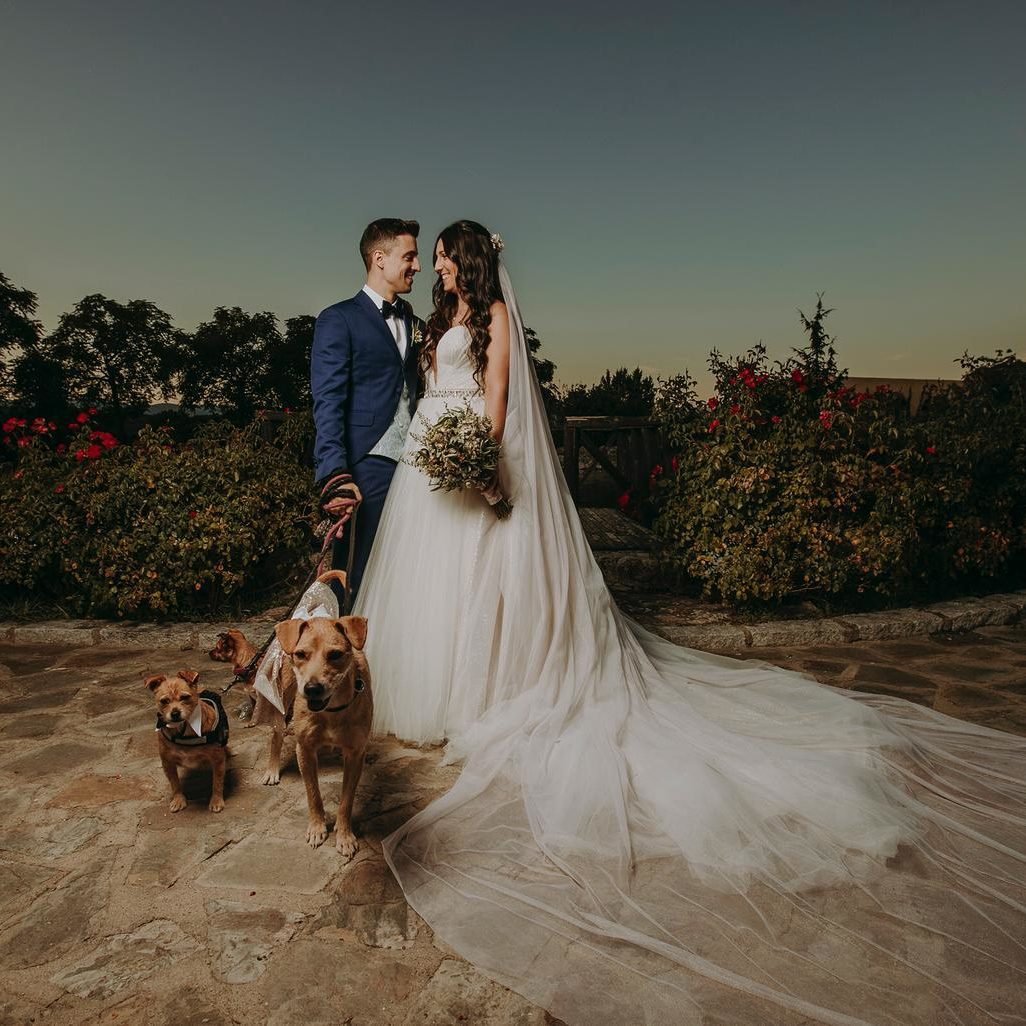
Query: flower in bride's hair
x=497, y=244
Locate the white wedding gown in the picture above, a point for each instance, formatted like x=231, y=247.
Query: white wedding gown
x=642, y=833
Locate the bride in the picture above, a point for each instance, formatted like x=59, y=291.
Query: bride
x=647, y=834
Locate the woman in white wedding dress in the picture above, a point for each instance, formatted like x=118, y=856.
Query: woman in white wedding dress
x=647, y=834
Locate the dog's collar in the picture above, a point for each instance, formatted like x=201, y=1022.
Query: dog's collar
x=359, y=691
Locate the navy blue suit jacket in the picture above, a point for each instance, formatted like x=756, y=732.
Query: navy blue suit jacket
x=356, y=378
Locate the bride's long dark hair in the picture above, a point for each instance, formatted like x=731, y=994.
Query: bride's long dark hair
x=469, y=246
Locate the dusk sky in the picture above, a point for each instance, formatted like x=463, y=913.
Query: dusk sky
x=667, y=178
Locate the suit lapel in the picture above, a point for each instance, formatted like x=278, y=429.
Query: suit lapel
x=373, y=314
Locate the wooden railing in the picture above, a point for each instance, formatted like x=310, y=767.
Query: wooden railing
x=626, y=448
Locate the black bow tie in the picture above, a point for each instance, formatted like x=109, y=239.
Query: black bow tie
x=392, y=309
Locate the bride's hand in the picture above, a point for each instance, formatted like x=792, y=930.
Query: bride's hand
x=492, y=492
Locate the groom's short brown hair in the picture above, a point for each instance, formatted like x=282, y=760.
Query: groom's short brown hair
x=380, y=234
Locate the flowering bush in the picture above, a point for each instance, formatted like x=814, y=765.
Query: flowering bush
x=791, y=482
x=153, y=527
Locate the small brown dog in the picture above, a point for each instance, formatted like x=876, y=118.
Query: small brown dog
x=326, y=687
x=192, y=731
x=232, y=646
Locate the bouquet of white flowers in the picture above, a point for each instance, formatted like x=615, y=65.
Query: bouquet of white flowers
x=457, y=452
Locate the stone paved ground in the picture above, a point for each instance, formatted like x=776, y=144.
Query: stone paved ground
x=114, y=911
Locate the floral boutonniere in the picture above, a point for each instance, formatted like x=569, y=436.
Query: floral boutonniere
x=417, y=334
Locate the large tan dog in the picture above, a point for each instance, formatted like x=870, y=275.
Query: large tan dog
x=326, y=687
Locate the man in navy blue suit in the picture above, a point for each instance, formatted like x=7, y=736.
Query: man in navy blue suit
x=363, y=376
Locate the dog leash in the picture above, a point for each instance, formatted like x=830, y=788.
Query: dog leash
x=331, y=528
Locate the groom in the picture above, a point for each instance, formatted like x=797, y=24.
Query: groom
x=363, y=376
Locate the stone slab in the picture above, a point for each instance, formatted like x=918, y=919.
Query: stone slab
x=54, y=760
x=903, y=623
x=968, y=614
x=708, y=637
x=125, y=959
x=273, y=863
x=788, y=633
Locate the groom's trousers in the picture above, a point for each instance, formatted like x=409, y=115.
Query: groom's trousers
x=373, y=475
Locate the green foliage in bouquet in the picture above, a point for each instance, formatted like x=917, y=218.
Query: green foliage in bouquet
x=458, y=451
x=154, y=527
x=789, y=482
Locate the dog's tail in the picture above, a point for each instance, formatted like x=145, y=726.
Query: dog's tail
x=333, y=575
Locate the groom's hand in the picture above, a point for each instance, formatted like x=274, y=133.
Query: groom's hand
x=340, y=496
x=343, y=507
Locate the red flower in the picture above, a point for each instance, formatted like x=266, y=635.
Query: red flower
x=22, y=442
x=94, y=452
x=735, y=408
x=624, y=500
x=713, y=403
x=193, y=514
x=287, y=410
x=675, y=464
x=61, y=449
x=92, y=411
x=80, y=454
x=9, y=425
x=797, y=377
x=59, y=489
x=657, y=471
x=714, y=424
x=82, y=418
x=775, y=419
x=18, y=474
x=931, y=450
x=826, y=418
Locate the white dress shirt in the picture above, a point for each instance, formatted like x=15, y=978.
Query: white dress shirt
x=395, y=324
x=391, y=443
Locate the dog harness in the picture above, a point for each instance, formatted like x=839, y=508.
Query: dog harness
x=217, y=735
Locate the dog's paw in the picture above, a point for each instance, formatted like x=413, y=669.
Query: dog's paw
x=346, y=845
x=272, y=778
x=316, y=834
x=216, y=805
x=177, y=803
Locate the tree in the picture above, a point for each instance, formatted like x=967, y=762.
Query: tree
x=619, y=393
x=19, y=330
x=233, y=362
x=117, y=356
x=290, y=363
x=546, y=370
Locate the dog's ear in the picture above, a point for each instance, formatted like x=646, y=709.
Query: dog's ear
x=288, y=632
x=155, y=681
x=355, y=629
x=189, y=675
